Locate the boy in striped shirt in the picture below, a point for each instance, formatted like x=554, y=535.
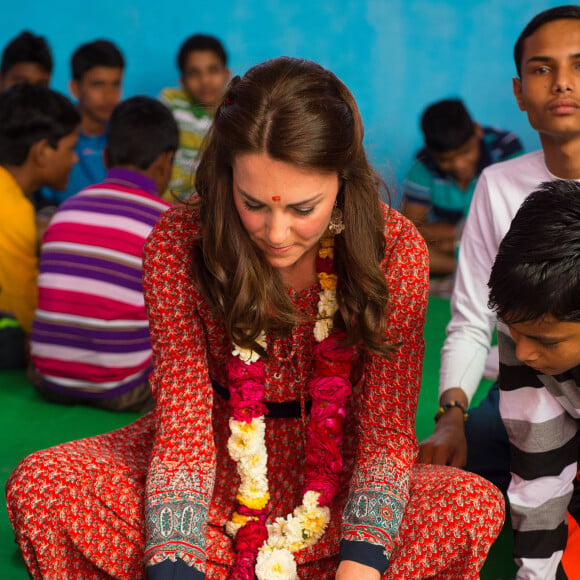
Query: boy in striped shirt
x=90, y=337
x=535, y=290
x=204, y=73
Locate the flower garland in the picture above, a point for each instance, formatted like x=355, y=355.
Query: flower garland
x=266, y=551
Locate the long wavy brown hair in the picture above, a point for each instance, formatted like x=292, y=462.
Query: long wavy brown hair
x=297, y=112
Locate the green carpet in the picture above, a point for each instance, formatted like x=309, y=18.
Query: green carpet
x=28, y=424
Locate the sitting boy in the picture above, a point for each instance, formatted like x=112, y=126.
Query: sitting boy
x=97, y=74
x=202, y=61
x=38, y=134
x=25, y=59
x=438, y=189
x=90, y=339
x=535, y=290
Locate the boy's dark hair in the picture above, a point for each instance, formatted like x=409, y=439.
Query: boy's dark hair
x=96, y=53
x=537, y=269
x=200, y=42
x=140, y=129
x=446, y=125
x=30, y=113
x=26, y=47
x=569, y=12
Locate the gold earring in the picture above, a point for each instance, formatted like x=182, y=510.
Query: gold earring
x=336, y=226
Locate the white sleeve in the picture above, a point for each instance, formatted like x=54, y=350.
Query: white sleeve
x=469, y=332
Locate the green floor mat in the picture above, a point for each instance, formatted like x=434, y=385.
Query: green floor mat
x=28, y=424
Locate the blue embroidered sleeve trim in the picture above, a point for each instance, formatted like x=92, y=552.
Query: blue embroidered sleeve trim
x=179, y=522
x=373, y=515
x=169, y=570
x=176, y=512
x=364, y=553
x=376, y=503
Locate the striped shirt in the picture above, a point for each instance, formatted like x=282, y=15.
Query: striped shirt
x=194, y=123
x=90, y=335
x=541, y=414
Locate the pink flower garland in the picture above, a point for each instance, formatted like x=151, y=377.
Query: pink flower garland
x=329, y=390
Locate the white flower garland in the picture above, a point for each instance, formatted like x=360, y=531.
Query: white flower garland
x=247, y=447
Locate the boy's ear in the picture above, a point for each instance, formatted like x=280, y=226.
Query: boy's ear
x=160, y=170
x=165, y=163
x=517, y=88
x=73, y=87
x=39, y=153
x=478, y=129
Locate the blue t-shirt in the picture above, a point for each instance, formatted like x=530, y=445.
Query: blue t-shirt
x=89, y=170
x=427, y=185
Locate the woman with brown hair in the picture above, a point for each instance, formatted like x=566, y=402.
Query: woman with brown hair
x=286, y=308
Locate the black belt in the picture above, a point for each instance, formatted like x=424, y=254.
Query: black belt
x=285, y=410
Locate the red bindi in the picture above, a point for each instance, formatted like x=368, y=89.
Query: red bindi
x=276, y=198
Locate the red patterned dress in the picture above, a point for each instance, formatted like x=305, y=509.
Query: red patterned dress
x=164, y=486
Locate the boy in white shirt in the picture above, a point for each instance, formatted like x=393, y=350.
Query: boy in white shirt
x=547, y=88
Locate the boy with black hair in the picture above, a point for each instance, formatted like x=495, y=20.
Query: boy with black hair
x=535, y=291
x=97, y=75
x=202, y=61
x=547, y=59
x=26, y=59
x=38, y=134
x=90, y=338
x=439, y=186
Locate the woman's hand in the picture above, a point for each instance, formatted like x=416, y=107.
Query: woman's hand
x=350, y=570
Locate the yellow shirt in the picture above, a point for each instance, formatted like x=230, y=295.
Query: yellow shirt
x=18, y=261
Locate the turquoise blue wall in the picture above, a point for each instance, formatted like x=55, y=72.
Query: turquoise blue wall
x=395, y=55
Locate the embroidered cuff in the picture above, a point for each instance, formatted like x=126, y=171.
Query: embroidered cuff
x=169, y=570
x=364, y=553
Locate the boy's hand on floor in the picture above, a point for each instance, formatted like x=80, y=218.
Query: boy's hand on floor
x=447, y=445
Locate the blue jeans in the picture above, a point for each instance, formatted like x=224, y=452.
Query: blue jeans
x=488, y=451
